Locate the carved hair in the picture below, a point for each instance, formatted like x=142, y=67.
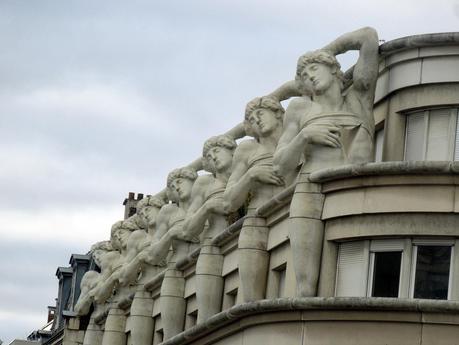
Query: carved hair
x=132, y=223
x=322, y=57
x=181, y=173
x=115, y=227
x=103, y=245
x=152, y=201
x=266, y=102
x=224, y=141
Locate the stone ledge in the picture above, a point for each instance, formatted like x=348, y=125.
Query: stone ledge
x=155, y=282
x=312, y=303
x=419, y=41
x=385, y=168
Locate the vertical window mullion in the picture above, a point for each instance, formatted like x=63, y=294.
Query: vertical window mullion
x=370, y=274
x=414, y=257
x=452, y=134
x=426, y=134
x=451, y=273
x=406, y=269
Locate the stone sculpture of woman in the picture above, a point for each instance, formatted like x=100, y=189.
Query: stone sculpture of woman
x=336, y=127
x=207, y=207
x=252, y=172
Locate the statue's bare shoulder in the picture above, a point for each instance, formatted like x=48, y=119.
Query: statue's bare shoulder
x=245, y=148
x=297, y=109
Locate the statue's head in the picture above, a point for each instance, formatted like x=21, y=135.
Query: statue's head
x=99, y=249
x=148, y=208
x=320, y=69
x=179, y=184
x=262, y=116
x=120, y=234
x=218, y=153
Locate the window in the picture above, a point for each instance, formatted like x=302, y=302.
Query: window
x=280, y=274
x=431, y=277
x=432, y=135
x=191, y=319
x=379, y=141
x=395, y=268
x=352, y=272
x=229, y=299
x=386, y=274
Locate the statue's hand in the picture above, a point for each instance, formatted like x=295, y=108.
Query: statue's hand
x=176, y=232
x=265, y=174
x=322, y=134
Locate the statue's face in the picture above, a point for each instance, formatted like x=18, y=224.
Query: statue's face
x=220, y=158
x=97, y=256
x=180, y=189
x=120, y=239
x=321, y=76
x=148, y=215
x=263, y=122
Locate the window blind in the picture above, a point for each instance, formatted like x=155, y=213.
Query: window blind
x=352, y=269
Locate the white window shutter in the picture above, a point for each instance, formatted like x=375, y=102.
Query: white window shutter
x=415, y=136
x=439, y=135
x=352, y=272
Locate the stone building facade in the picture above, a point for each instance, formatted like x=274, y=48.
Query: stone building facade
x=384, y=232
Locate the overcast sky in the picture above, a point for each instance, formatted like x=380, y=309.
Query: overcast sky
x=100, y=98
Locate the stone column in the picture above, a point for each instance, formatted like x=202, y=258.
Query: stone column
x=209, y=281
x=115, y=327
x=142, y=323
x=306, y=231
x=94, y=332
x=172, y=301
x=253, y=257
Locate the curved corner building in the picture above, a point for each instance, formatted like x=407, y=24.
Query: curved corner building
x=390, y=261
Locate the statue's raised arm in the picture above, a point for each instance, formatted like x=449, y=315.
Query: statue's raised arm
x=365, y=71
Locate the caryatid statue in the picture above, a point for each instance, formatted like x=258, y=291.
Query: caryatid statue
x=104, y=256
x=142, y=305
x=252, y=172
x=336, y=127
x=114, y=333
x=170, y=218
x=208, y=208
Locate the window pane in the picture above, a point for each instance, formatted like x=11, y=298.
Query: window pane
x=432, y=272
x=415, y=132
x=386, y=274
x=438, y=141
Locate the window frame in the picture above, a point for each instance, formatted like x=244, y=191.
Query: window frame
x=384, y=246
x=453, y=134
x=416, y=243
x=408, y=248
